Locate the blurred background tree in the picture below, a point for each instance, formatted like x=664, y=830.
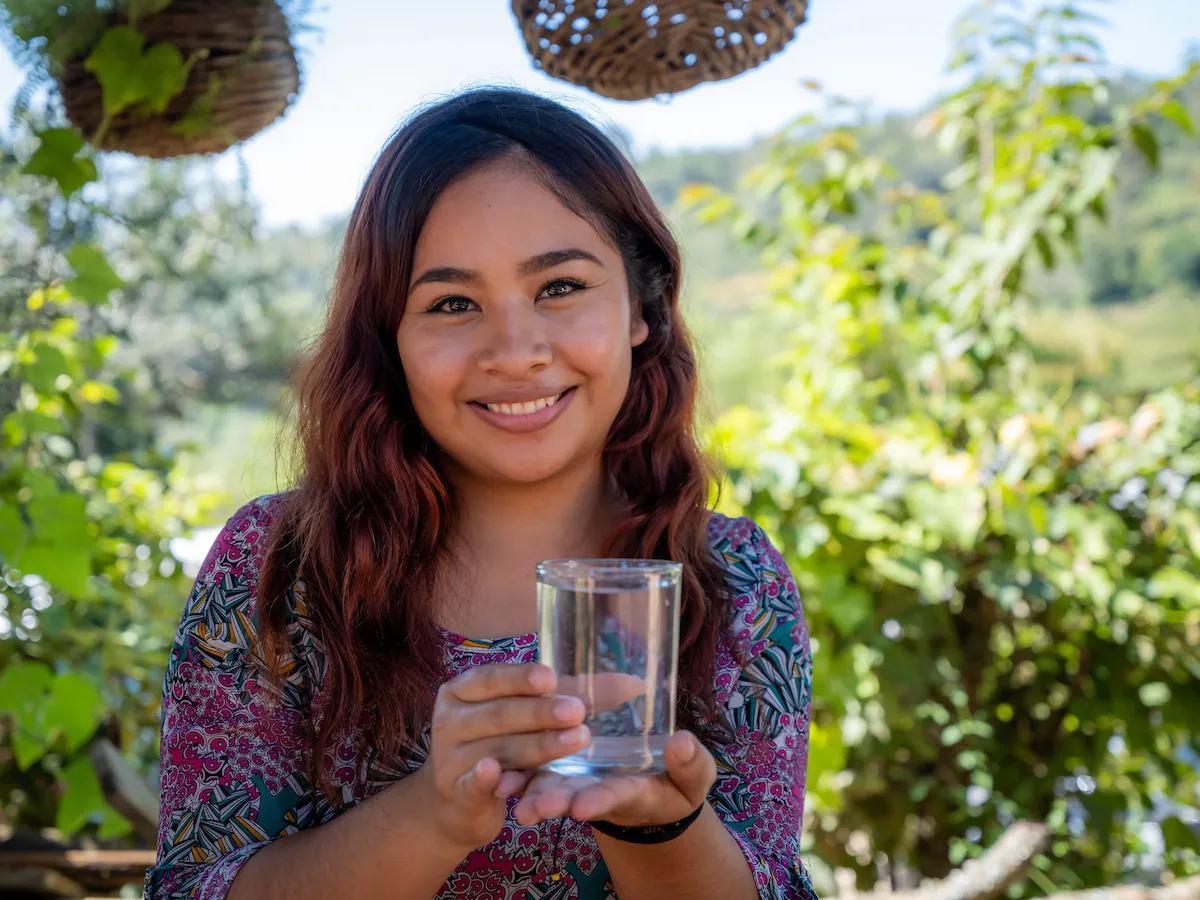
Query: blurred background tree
x=1000, y=569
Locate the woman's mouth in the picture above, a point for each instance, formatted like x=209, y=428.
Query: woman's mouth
x=524, y=409
x=523, y=416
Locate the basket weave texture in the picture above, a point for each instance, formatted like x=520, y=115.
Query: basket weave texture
x=635, y=49
x=248, y=74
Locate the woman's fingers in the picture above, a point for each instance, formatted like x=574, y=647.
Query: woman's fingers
x=550, y=795
x=478, y=783
x=603, y=690
x=623, y=793
x=690, y=766
x=513, y=782
x=501, y=680
x=531, y=808
x=525, y=751
x=515, y=715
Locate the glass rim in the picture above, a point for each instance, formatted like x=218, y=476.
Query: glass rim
x=611, y=566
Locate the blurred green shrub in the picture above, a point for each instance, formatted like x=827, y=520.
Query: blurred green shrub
x=1002, y=582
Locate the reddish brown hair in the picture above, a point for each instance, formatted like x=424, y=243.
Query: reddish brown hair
x=366, y=527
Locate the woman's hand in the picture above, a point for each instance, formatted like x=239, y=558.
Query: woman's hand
x=490, y=724
x=631, y=800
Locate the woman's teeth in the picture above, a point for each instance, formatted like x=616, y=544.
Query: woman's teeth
x=523, y=409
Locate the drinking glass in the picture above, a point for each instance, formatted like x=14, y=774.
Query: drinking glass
x=609, y=628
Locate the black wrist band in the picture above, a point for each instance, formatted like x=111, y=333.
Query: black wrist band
x=649, y=834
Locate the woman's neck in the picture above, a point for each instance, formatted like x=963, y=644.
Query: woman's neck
x=504, y=530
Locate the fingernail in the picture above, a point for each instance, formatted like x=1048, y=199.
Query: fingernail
x=688, y=750
x=576, y=735
x=567, y=709
x=541, y=678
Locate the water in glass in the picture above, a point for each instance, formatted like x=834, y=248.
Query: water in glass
x=610, y=631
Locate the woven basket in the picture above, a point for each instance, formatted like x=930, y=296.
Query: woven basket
x=247, y=79
x=634, y=49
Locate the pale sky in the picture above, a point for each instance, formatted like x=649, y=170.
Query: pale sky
x=377, y=59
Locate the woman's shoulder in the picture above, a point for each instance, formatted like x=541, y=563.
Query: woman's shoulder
x=223, y=604
x=750, y=559
x=767, y=609
x=238, y=550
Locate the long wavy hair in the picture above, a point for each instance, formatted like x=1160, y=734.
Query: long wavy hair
x=365, y=530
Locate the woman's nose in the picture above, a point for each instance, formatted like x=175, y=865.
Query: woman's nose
x=516, y=341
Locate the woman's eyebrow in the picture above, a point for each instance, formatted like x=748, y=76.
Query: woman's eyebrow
x=555, y=258
x=446, y=275
x=539, y=263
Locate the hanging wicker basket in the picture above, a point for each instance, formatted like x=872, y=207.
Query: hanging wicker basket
x=244, y=77
x=635, y=49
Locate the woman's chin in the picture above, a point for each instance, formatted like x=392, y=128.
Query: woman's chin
x=520, y=469
x=529, y=473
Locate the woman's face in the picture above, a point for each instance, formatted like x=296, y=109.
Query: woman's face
x=517, y=332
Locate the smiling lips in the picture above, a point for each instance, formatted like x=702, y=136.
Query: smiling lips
x=521, y=416
x=524, y=409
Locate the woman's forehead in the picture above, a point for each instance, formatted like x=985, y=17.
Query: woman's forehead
x=502, y=212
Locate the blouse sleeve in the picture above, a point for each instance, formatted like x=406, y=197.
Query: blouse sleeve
x=232, y=757
x=759, y=792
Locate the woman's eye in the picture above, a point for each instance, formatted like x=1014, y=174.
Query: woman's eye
x=561, y=288
x=453, y=305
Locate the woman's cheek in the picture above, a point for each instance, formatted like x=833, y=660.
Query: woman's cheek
x=596, y=341
x=435, y=374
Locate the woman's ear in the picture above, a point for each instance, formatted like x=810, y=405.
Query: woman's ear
x=638, y=329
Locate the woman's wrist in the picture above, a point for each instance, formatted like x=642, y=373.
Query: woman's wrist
x=648, y=834
x=413, y=803
x=703, y=861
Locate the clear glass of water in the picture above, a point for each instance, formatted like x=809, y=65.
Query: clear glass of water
x=609, y=628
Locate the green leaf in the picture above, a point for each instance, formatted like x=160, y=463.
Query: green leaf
x=27, y=749
x=64, y=567
x=98, y=392
x=1095, y=174
x=1177, y=835
x=13, y=534
x=22, y=690
x=82, y=797
x=61, y=519
x=61, y=547
x=74, y=708
x=163, y=68
x=1175, y=111
x=899, y=571
x=128, y=76
x=55, y=157
x=31, y=422
x=849, y=609
x=1172, y=583
x=48, y=363
x=94, y=278
x=954, y=513
x=1045, y=251
x=23, y=685
x=1146, y=142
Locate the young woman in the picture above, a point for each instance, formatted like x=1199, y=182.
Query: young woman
x=352, y=706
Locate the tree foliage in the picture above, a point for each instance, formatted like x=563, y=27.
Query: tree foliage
x=1148, y=245
x=1001, y=579
x=121, y=306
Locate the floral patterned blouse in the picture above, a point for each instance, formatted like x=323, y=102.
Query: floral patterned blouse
x=233, y=768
